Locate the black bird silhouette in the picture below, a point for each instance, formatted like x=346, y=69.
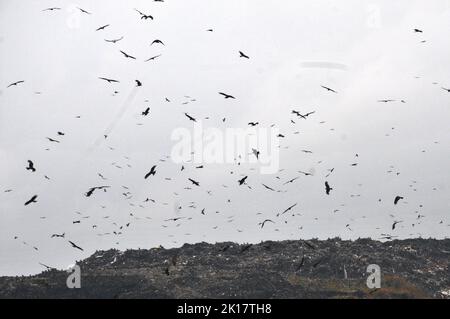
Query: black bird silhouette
x=93, y=189
x=448, y=90
x=114, y=40
x=418, y=31
x=242, y=180
x=194, y=182
x=84, y=11
x=146, y=112
x=253, y=123
x=109, y=80
x=269, y=188
x=157, y=41
x=153, y=58
x=287, y=209
x=242, y=55
x=51, y=9
x=385, y=101
x=102, y=27
x=227, y=96
x=328, y=89
x=127, y=55
x=144, y=16
x=31, y=166
x=52, y=140
x=190, y=117
x=138, y=83
x=15, y=83
x=58, y=235
x=327, y=188
x=75, y=246
x=31, y=200
x=291, y=180
x=152, y=172
x=395, y=224
x=397, y=199
x=266, y=221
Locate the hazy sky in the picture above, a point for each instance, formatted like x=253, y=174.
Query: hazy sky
x=365, y=50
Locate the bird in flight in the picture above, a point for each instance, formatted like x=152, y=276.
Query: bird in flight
x=253, y=123
x=152, y=172
x=109, y=80
x=190, y=117
x=84, y=11
x=31, y=200
x=418, y=31
x=328, y=89
x=51, y=9
x=138, y=83
x=15, y=83
x=385, y=101
x=242, y=180
x=114, y=40
x=327, y=188
x=144, y=16
x=287, y=209
x=448, y=90
x=146, y=112
x=153, y=58
x=53, y=140
x=102, y=27
x=194, y=182
x=127, y=55
x=266, y=221
x=395, y=224
x=31, y=166
x=243, y=55
x=58, y=235
x=92, y=190
x=397, y=199
x=157, y=42
x=75, y=246
x=227, y=96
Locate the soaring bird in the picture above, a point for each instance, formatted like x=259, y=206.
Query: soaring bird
x=190, y=117
x=153, y=58
x=194, y=182
x=127, y=55
x=242, y=180
x=287, y=209
x=51, y=9
x=227, y=96
x=31, y=166
x=92, y=190
x=152, y=172
x=138, y=83
x=102, y=27
x=395, y=224
x=242, y=55
x=269, y=188
x=266, y=221
x=144, y=16
x=75, y=246
x=58, y=235
x=157, y=41
x=328, y=89
x=397, y=199
x=109, y=80
x=448, y=90
x=385, y=101
x=114, y=40
x=15, y=83
x=327, y=188
x=53, y=140
x=31, y=200
x=418, y=31
x=84, y=11
x=146, y=112
x=253, y=123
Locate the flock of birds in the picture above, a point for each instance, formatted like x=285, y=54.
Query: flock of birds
x=241, y=181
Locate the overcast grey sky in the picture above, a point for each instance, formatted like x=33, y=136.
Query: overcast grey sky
x=365, y=50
